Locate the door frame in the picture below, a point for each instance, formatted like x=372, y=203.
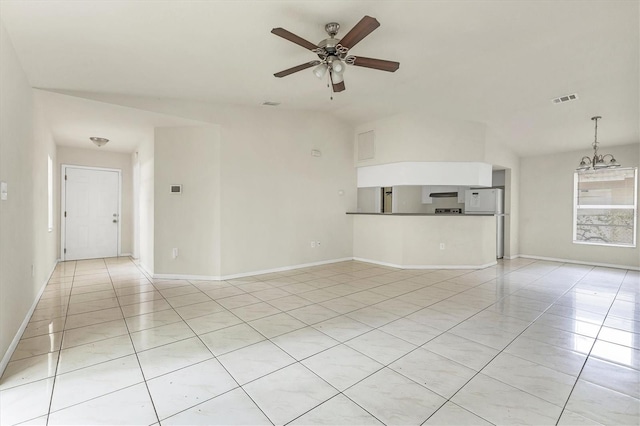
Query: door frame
x=63, y=204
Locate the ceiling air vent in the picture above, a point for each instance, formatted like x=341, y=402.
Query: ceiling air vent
x=565, y=98
x=271, y=103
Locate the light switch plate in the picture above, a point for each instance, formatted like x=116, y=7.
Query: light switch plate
x=3, y=191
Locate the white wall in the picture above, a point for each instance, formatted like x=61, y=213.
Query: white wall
x=277, y=197
x=94, y=157
x=408, y=199
x=498, y=178
x=546, y=208
x=46, y=244
x=146, y=204
x=190, y=221
x=368, y=200
x=420, y=137
x=25, y=242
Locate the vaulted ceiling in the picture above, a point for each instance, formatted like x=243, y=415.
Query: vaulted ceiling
x=495, y=62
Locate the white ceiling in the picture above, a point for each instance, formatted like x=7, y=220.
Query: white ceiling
x=74, y=120
x=496, y=62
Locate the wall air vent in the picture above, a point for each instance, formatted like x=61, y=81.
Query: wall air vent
x=565, y=98
x=270, y=103
x=366, y=147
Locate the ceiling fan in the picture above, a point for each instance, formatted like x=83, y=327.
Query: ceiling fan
x=332, y=52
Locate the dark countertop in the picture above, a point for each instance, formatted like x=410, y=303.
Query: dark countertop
x=419, y=214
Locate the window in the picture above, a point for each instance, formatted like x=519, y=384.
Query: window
x=50, y=192
x=605, y=207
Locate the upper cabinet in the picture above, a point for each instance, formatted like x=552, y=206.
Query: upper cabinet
x=425, y=173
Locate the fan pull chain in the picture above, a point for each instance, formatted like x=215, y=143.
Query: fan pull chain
x=329, y=86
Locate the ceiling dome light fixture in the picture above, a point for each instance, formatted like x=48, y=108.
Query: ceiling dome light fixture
x=598, y=161
x=100, y=142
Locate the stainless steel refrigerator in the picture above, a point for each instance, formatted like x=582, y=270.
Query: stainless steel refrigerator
x=488, y=201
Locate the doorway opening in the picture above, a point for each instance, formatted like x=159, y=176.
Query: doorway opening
x=386, y=195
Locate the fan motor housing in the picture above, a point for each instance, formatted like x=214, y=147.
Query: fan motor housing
x=329, y=45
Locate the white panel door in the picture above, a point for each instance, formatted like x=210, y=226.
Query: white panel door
x=91, y=209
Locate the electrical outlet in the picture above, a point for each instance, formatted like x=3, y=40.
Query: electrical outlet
x=441, y=246
x=174, y=253
x=317, y=243
x=313, y=244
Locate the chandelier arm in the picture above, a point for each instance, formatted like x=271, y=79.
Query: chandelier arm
x=607, y=155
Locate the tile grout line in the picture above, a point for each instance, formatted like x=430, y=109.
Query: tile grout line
x=498, y=354
x=135, y=352
x=595, y=340
x=55, y=374
x=387, y=365
x=338, y=314
x=213, y=357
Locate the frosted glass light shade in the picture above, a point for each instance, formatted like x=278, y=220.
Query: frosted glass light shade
x=320, y=70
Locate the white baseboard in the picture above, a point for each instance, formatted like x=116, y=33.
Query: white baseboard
x=16, y=339
x=187, y=277
x=515, y=256
x=579, y=262
x=125, y=255
x=247, y=274
x=393, y=265
x=145, y=269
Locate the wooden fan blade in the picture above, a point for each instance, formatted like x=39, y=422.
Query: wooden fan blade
x=281, y=32
x=360, y=31
x=296, y=69
x=376, y=64
x=338, y=87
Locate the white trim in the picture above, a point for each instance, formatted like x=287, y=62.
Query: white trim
x=515, y=256
x=579, y=262
x=145, y=269
x=245, y=274
x=188, y=277
x=16, y=339
x=587, y=243
x=605, y=206
x=634, y=207
x=393, y=265
x=63, y=205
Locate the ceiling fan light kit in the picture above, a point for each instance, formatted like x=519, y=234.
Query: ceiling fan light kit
x=320, y=70
x=598, y=161
x=332, y=52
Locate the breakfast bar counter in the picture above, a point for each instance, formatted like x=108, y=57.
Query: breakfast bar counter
x=425, y=241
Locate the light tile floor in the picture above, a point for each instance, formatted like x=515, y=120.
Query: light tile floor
x=524, y=342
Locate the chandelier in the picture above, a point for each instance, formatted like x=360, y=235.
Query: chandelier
x=599, y=161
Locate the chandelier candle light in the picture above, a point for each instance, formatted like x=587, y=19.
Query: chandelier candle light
x=598, y=160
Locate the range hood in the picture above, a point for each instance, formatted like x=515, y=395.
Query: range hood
x=443, y=194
